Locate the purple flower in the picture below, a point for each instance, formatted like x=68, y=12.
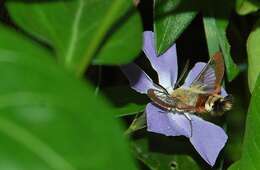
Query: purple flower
x=207, y=138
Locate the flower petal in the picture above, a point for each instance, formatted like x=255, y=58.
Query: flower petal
x=138, y=79
x=194, y=72
x=223, y=92
x=149, y=46
x=208, y=139
x=166, y=123
x=180, y=123
x=165, y=65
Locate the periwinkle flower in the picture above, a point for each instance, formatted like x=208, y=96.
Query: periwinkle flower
x=207, y=138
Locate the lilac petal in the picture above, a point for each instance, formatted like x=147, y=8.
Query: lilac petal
x=208, y=139
x=180, y=123
x=194, y=72
x=223, y=92
x=138, y=79
x=165, y=65
x=149, y=46
x=166, y=123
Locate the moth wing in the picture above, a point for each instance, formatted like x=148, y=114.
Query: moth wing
x=219, y=71
x=166, y=101
x=209, y=79
x=162, y=98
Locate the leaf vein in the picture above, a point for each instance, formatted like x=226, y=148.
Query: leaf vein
x=74, y=34
x=164, y=34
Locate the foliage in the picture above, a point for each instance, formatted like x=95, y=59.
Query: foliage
x=251, y=143
x=65, y=104
x=253, y=55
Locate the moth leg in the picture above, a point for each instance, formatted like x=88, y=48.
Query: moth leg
x=187, y=116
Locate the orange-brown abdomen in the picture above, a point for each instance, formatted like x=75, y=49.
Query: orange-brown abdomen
x=200, y=105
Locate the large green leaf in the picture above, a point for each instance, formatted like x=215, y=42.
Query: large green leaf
x=211, y=34
x=170, y=21
x=163, y=160
x=231, y=68
x=251, y=145
x=78, y=30
x=253, y=53
x=49, y=119
x=215, y=30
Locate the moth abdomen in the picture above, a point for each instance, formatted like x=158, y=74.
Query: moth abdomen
x=216, y=106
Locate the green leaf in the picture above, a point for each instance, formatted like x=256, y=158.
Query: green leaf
x=244, y=7
x=50, y=119
x=211, y=34
x=253, y=53
x=215, y=30
x=216, y=17
x=171, y=20
x=79, y=30
x=234, y=166
x=138, y=123
x=156, y=160
x=251, y=145
x=124, y=44
x=125, y=101
x=232, y=69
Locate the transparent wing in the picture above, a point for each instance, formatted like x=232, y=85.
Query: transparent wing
x=205, y=80
x=209, y=79
x=168, y=102
x=162, y=98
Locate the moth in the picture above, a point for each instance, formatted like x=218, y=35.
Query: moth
x=201, y=97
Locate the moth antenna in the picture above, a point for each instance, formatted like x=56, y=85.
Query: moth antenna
x=160, y=87
x=186, y=67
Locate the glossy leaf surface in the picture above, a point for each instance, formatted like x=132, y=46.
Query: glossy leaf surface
x=251, y=144
x=171, y=19
x=253, y=53
x=80, y=30
x=49, y=119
